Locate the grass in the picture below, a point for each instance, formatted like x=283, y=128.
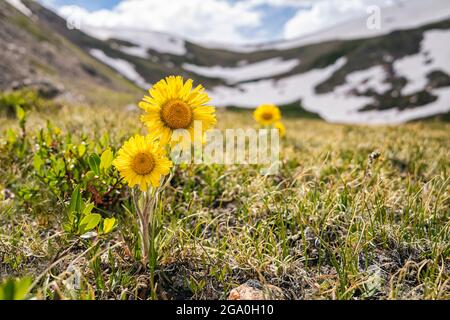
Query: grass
x=355, y=213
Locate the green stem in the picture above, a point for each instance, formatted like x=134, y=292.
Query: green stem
x=146, y=214
x=142, y=215
x=153, y=251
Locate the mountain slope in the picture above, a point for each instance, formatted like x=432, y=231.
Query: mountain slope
x=346, y=74
x=387, y=79
x=143, y=66
x=32, y=54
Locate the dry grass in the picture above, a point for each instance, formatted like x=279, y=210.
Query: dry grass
x=355, y=213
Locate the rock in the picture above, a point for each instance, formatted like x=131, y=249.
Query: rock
x=254, y=290
x=44, y=88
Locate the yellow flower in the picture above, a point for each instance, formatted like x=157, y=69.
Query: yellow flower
x=141, y=161
x=173, y=104
x=280, y=126
x=267, y=114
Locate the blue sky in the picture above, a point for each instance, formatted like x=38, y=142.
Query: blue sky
x=273, y=20
x=89, y=5
x=228, y=21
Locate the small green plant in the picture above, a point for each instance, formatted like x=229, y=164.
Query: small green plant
x=61, y=162
x=11, y=100
x=81, y=219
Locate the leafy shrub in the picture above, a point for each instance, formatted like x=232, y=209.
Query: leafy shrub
x=54, y=163
x=25, y=99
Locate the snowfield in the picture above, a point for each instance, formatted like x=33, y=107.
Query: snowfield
x=373, y=78
x=18, y=4
x=433, y=56
x=258, y=70
x=125, y=68
x=342, y=105
x=283, y=91
x=145, y=40
x=139, y=52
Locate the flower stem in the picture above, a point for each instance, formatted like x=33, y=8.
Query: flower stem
x=146, y=204
x=144, y=212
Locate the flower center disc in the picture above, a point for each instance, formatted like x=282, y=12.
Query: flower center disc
x=176, y=114
x=143, y=163
x=267, y=116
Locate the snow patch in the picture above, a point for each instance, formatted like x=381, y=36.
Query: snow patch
x=283, y=91
x=373, y=78
x=18, y=4
x=245, y=72
x=434, y=55
x=146, y=40
x=139, y=52
x=337, y=106
x=125, y=68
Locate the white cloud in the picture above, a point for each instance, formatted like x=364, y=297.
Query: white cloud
x=327, y=13
x=195, y=19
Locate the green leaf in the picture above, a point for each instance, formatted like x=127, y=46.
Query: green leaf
x=106, y=159
x=81, y=149
x=76, y=202
x=89, y=222
x=104, y=140
x=20, y=113
x=108, y=225
x=12, y=135
x=21, y=288
x=94, y=163
x=90, y=175
x=60, y=167
x=68, y=226
x=14, y=289
x=88, y=209
x=37, y=162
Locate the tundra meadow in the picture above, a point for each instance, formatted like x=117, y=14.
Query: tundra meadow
x=96, y=204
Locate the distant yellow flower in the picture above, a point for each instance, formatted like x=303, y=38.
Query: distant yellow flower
x=174, y=104
x=141, y=161
x=280, y=126
x=267, y=114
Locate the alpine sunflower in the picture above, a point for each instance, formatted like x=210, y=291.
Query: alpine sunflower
x=281, y=128
x=267, y=114
x=174, y=104
x=141, y=161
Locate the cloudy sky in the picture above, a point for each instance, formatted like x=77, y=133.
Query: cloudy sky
x=232, y=21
